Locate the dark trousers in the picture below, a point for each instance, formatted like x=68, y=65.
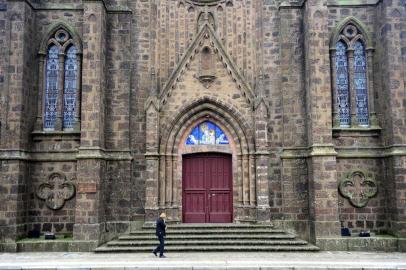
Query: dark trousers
x=161, y=245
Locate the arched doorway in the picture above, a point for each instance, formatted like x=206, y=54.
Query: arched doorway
x=207, y=120
x=207, y=188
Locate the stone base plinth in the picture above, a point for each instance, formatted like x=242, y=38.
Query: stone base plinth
x=89, y=232
x=49, y=246
x=384, y=243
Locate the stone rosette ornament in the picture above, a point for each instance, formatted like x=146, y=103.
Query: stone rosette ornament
x=358, y=188
x=56, y=191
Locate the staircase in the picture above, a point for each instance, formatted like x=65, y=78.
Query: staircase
x=209, y=237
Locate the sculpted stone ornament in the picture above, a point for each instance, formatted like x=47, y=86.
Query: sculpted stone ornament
x=358, y=189
x=56, y=191
x=205, y=2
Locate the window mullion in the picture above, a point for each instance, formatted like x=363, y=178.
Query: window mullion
x=353, y=105
x=61, y=77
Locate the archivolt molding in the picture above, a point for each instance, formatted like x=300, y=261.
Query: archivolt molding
x=207, y=32
x=206, y=2
x=364, y=36
x=239, y=142
x=46, y=40
x=217, y=109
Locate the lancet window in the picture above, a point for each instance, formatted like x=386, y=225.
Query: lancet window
x=60, y=82
x=352, y=76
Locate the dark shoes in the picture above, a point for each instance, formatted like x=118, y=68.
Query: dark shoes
x=156, y=255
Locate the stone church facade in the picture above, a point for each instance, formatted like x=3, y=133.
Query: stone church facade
x=112, y=110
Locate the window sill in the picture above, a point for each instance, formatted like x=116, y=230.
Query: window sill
x=356, y=131
x=55, y=135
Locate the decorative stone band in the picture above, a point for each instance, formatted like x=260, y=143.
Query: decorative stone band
x=65, y=155
x=56, y=191
x=342, y=152
x=357, y=188
x=353, y=3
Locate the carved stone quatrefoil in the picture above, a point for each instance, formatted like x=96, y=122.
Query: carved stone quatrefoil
x=56, y=191
x=357, y=188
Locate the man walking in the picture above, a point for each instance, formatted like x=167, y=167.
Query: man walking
x=160, y=233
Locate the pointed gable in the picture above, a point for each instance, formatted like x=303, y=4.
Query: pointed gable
x=207, y=37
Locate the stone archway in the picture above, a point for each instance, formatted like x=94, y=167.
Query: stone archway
x=241, y=148
x=165, y=147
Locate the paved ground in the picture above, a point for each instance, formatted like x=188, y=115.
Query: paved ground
x=205, y=261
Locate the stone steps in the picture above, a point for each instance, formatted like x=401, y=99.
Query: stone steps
x=210, y=248
x=215, y=231
x=209, y=237
x=207, y=242
x=205, y=236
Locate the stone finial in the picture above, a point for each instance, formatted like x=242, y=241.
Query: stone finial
x=260, y=84
x=153, y=91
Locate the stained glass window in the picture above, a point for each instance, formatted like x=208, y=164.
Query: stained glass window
x=342, y=84
x=70, y=89
x=360, y=83
x=51, y=90
x=206, y=133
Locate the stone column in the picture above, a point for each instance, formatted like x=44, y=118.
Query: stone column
x=152, y=184
x=78, y=93
x=91, y=164
x=373, y=121
x=323, y=195
x=336, y=117
x=262, y=155
x=39, y=122
x=392, y=25
x=14, y=177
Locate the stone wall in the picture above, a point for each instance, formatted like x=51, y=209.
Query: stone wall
x=271, y=62
x=373, y=216
x=39, y=216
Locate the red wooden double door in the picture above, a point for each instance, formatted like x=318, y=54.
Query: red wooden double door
x=207, y=188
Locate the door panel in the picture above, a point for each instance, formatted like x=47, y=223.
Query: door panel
x=207, y=188
x=194, y=190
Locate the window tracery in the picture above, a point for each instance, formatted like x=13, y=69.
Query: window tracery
x=52, y=88
x=360, y=83
x=61, y=74
x=71, y=77
x=351, y=77
x=342, y=84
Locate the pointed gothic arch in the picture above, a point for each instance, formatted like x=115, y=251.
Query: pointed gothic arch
x=365, y=35
x=352, y=75
x=59, y=81
x=173, y=146
x=75, y=37
x=226, y=111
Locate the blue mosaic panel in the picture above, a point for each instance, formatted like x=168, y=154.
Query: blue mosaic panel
x=206, y=133
x=342, y=84
x=360, y=83
x=51, y=90
x=70, y=88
